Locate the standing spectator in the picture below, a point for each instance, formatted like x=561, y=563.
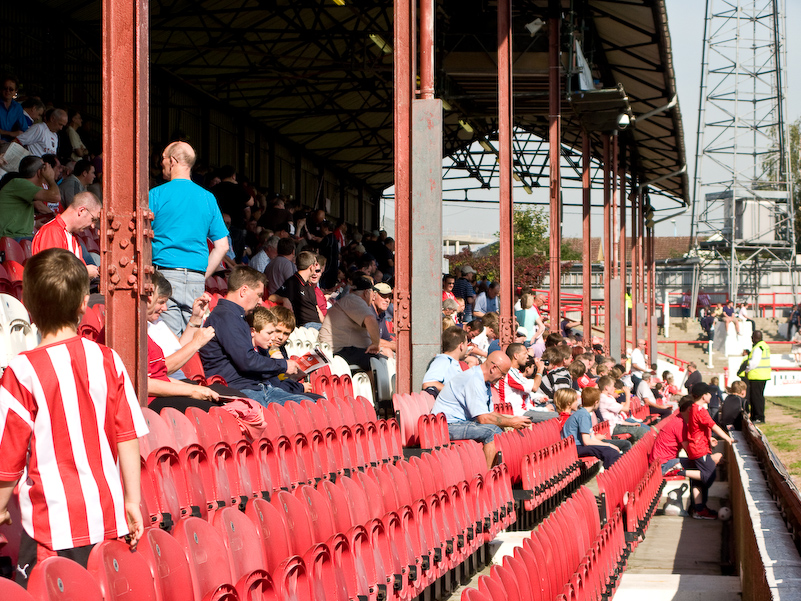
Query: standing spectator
x=350, y=328
x=693, y=377
x=84, y=212
x=795, y=321
x=235, y=201
x=20, y=196
x=185, y=216
x=297, y=292
x=12, y=119
x=795, y=349
x=447, y=287
x=463, y=289
x=385, y=256
x=42, y=138
x=69, y=422
x=83, y=174
x=282, y=267
x=329, y=248
x=639, y=363
x=757, y=374
x=487, y=302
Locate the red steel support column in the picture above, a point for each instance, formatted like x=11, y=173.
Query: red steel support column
x=640, y=253
x=125, y=227
x=651, y=293
x=505, y=125
x=621, y=173
x=554, y=158
x=427, y=49
x=403, y=59
x=635, y=288
x=607, y=240
x=615, y=228
x=586, y=258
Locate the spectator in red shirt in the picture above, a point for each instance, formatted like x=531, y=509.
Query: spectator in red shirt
x=699, y=447
x=84, y=212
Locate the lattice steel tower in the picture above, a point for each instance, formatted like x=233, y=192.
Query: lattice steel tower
x=743, y=197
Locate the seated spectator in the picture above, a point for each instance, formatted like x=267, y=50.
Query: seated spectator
x=521, y=386
x=76, y=150
x=578, y=373
x=267, y=252
x=269, y=340
x=463, y=289
x=479, y=341
x=579, y=426
x=556, y=375
x=699, y=430
x=466, y=401
x=282, y=267
x=83, y=174
x=615, y=413
x=350, y=328
x=646, y=395
x=450, y=308
x=315, y=277
x=381, y=302
x=23, y=195
x=731, y=411
x=447, y=364
x=298, y=292
x=42, y=138
x=730, y=317
x=12, y=117
x=231, y=355
x=670, y=387
x=487, y=302
x=177, y=351
x=32, y=109
x=84, y=212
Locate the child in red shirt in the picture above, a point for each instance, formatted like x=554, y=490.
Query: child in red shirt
x=68, y=415
x=699, y=443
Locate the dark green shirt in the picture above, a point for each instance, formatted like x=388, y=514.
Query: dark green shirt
x=16, y=208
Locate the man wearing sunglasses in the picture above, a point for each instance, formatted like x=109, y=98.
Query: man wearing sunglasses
x=298, y=293
x=466, y=401
x=84, y=212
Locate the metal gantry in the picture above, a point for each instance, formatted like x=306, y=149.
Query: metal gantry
x=743, y=195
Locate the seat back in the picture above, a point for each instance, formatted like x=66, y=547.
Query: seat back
x=122, y=575
x=10, y=590
x=169, y=568
x=61, y=579
x=241, y=538
x=207, y=555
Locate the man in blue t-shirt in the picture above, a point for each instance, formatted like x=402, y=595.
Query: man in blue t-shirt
x=184, y=216
x=466, y=402
x=446, y=365
x=579, y=425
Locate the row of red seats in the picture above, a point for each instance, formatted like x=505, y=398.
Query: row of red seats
x=339, y=387
x=11, y=278
x=516, y=444
x=550, y=472
x=216, y=285
x=633, y=486
x=18, y=252
x=419, y=427
x=570, y=556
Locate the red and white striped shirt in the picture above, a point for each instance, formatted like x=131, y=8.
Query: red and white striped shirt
x=63, y=409
x=518, y=390
x=54, y=234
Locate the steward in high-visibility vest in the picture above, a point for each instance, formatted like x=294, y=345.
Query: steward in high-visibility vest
x=762, y=370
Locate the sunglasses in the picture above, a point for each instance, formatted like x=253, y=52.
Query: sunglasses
x=7, y=89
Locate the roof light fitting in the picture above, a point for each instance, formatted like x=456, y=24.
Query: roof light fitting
x=381, y=43
x=339, y=2
x=466, y=126
x=535, y=26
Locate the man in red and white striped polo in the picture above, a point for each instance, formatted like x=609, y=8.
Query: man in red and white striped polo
x=84, y=212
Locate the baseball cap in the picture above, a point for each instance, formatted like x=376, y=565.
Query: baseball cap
x=383, y=288
x=700, y=389
x=467, y=269
x=521, y=331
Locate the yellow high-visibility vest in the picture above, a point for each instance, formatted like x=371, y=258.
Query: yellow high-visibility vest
x=762, y=371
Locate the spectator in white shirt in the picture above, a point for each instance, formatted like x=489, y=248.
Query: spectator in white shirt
x=42, y=138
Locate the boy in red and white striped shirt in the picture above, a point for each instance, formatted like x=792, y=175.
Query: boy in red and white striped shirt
x=68, y=414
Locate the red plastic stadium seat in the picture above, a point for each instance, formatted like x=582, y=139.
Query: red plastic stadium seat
x=13, y=250
x=169, y=568
x=123, y=575
x=182, y=429
x=14, y=271
x=10, y=590
x=272, y=531
x=61, y=579
x=208, y=559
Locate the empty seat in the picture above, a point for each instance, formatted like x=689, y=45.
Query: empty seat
x=12, y=591
x=123, y=575
x=169, y=568
x=61, y=579
x=207, y=555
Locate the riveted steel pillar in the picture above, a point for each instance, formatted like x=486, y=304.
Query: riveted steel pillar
x=125, y=228
x=607, y=245
x=554, y=158
x=505, y=125
x=651, y=295
x=621, y=174
x=403, y=59
x=586, y=258
x=635, y=289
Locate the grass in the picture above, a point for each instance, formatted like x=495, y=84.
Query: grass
x=782, y=428
x=790, y=402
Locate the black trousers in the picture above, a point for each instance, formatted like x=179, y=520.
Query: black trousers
x=756, y=398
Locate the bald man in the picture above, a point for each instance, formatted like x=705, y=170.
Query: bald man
x=184, y=216
x=466, y=401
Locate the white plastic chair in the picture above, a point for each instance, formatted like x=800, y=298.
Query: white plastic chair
x=18, y=333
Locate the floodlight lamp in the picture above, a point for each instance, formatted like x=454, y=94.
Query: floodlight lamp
x=623, y=121
x=466, y=126
x=517, y=177
x=535, y=26
x=445, y=105
x=486, y=146
x=339, y=2
x=527, y=188
x=379, y=41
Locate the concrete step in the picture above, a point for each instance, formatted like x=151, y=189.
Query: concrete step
x=678, y=587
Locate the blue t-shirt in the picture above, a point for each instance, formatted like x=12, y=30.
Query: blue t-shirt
x=13, y=118
x=442, y=368
x=577, y=424
x=184, y=216
x=485, y=304
x=464, y=397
